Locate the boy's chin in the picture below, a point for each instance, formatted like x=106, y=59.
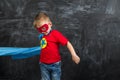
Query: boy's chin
x=45, y=33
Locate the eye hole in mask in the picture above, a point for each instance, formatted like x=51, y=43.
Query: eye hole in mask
x=43, y=28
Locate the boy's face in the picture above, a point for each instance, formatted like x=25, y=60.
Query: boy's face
x=44, y=27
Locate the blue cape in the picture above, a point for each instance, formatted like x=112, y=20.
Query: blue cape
x=20, y=53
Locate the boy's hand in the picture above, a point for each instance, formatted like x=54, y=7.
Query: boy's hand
x=76, y=59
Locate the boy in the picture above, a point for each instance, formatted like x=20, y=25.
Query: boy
x=50, y=60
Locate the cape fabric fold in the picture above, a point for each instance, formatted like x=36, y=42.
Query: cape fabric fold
x=19, y=53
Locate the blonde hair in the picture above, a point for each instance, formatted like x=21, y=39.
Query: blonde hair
x=41, y=17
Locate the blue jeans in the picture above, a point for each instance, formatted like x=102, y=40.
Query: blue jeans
x=50, y=71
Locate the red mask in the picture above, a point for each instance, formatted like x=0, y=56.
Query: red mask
x=43, y=28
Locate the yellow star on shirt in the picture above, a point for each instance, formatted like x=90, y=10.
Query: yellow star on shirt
x=43, y=43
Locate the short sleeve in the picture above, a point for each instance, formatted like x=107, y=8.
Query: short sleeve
x=60, y=38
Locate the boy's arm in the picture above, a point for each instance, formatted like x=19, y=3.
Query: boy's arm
x=75, y=57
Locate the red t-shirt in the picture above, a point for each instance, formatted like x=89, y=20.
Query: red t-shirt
x=50, y=47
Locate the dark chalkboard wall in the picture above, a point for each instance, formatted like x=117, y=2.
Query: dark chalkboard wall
x=92, y=26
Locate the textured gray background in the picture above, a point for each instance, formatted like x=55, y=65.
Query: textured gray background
x=92, y=26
